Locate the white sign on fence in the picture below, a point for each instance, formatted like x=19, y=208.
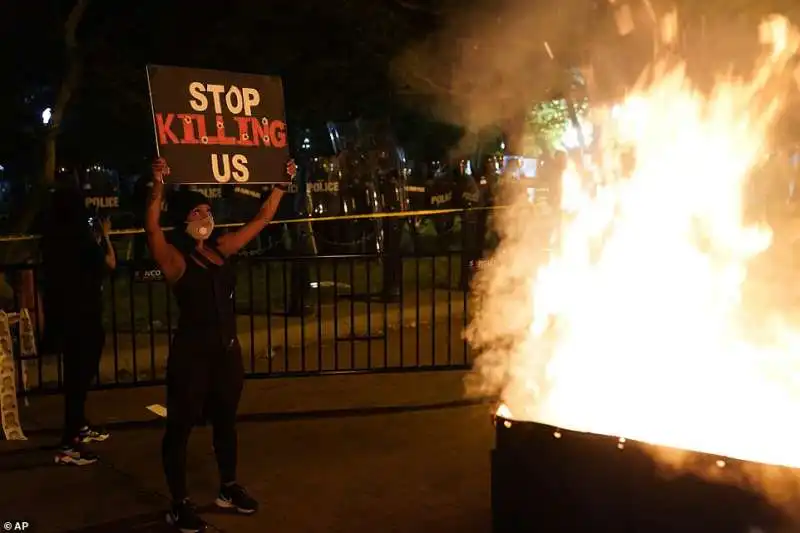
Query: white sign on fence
x=9, y=410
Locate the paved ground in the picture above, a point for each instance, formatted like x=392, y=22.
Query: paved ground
x=320, y=454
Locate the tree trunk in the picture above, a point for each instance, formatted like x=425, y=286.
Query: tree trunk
x=65, y=92
x=22, y=251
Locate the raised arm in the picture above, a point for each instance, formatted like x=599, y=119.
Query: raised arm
x=230, y=243
x=166, y=256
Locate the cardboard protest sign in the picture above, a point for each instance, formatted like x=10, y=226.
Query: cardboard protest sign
x=219, y=127
x=9, y=409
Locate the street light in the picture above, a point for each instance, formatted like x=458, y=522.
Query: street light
x=46, y=115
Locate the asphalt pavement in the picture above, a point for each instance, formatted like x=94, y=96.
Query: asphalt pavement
x=388, y=453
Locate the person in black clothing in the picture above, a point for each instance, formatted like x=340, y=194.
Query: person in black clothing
x=468, y=197
x=486, y=189
x=141, y=192
x=553, y=175
x=204, y=371
x=393, y=190
x=76, y=254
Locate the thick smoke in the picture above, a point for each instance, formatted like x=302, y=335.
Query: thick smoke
x=524, y=49
x=490, y=63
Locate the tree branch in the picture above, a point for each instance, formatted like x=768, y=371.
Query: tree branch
x=68, y=84
x=435, y=87
x=416, y=7
x=407, y=5
x=74, y=65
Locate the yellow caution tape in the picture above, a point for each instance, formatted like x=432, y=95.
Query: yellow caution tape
x=305, y=220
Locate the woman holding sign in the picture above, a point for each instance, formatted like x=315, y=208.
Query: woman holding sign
x=204, y=371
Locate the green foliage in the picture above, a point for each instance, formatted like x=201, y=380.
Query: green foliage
x=546, y=124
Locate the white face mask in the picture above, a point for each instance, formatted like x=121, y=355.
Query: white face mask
x=200, y=230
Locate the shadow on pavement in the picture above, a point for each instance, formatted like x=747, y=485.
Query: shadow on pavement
x=400, y=453
x=152, y=522
x=21, y=460
x=144, y=523
x=274, y=417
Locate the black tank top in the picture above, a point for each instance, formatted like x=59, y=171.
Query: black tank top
x=205, y=298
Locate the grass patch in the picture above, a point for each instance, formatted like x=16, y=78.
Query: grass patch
x=264, y=286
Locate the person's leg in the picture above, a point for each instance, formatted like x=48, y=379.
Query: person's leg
x=480, y=233
x=299, y=293
x=73, y=395
x=182, y=513
x=223, y=420
x=468, y=248
x=223, y=406
x=187, y=387
x=93, y=341
x=139, y=244
x=299, y=288
x=392, y=260
x=173, y=452
x=71, y=451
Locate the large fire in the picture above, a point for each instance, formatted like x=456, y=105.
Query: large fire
x=637, y=323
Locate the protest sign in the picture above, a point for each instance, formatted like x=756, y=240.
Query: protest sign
x=9, y=409
x=219, y=127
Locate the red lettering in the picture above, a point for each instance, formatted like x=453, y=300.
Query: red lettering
x=251, y=131
x=187, y=120
x=277, y=133
x=244, y=132
x=221, y=138
x=202, y=131
x=163, y=127
x=259, y=132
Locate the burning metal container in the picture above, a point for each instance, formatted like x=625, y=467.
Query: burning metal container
x=552, y=480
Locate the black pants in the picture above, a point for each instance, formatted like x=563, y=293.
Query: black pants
x=299, y=288
x=300, y=272
x=471, y=247
x=204, y=382
x=82, y=346
x=392, y=260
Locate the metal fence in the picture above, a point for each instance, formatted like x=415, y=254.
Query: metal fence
x=297, y=316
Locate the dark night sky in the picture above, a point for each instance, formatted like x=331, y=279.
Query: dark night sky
x=333, y=56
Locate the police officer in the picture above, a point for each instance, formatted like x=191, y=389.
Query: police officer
x=468, y=198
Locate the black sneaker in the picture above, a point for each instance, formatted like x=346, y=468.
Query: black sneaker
x=184, y=517
x=235, y=497
x=88, y=434
x=76, y=455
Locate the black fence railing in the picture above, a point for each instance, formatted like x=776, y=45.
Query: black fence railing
x=297, y=316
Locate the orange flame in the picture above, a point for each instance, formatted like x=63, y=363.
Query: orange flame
x=637, y=326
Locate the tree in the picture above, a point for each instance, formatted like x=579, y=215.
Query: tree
x=19, y=251
x=66, y=90
x=493, y=64
x=64, y=95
